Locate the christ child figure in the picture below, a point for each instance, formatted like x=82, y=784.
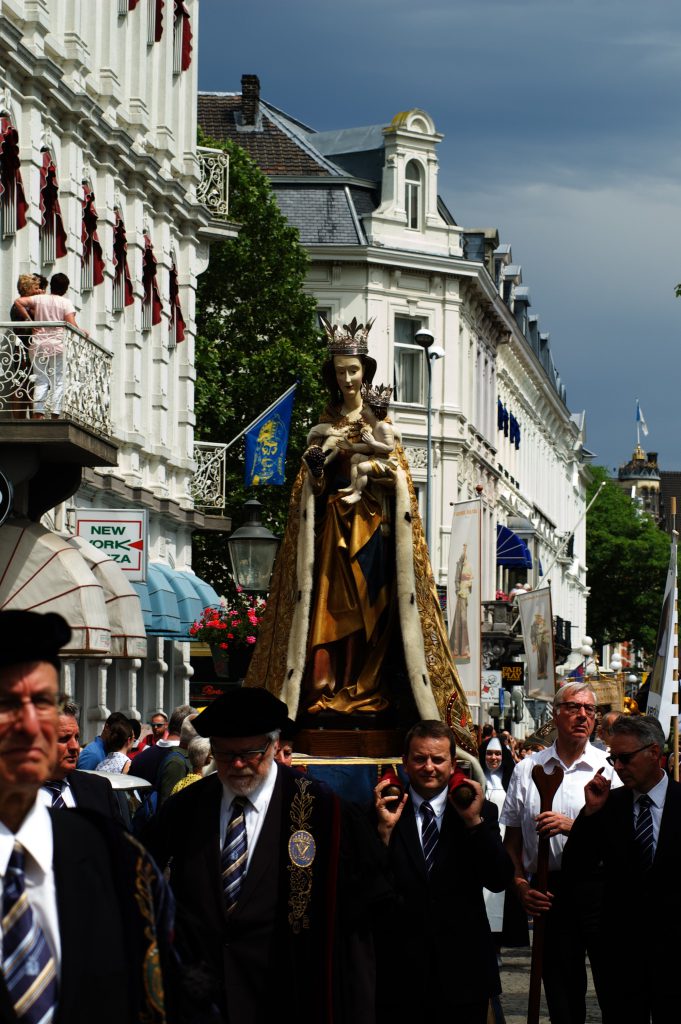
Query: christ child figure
x=377, y=440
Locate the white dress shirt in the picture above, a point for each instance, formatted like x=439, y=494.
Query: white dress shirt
x=45, y=796
x=658, y=795
x=35, y=836
x=438, y=803
x=522, y=804
x=254, y=811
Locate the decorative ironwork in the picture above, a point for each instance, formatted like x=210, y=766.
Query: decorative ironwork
x=76, y=379
x=208, y=483
x=213, y=189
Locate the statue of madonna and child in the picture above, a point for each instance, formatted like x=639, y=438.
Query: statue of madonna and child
x=353, y=627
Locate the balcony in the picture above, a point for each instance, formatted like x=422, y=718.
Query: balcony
x=208, y=485
x=50, y=431
x=213, y=189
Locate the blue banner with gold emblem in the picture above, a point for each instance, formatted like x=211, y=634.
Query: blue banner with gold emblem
x=267, y=441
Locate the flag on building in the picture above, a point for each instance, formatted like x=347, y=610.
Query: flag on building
x=640, y=421
x=267, y=441
x=664, y=677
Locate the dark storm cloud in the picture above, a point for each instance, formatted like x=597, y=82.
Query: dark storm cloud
x=561, y=128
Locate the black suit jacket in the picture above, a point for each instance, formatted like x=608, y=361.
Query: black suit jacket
x=441, y=929
x=95, y=929
x=94, y=793
x=637, y=904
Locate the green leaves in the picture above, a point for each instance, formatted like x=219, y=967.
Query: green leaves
x=627, y=557
x=256, y=335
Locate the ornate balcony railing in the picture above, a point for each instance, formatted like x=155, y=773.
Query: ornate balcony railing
x=208, y=483
x=67, y=377
x=213, y=189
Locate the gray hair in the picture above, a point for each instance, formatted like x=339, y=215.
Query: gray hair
x=177, y=718
x=187, y=731
x=274, y=735
x=568, y=689
x=644, y=728
x=70, y=709
x=198, y=752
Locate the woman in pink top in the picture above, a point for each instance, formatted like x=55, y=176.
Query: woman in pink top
x=47, y=343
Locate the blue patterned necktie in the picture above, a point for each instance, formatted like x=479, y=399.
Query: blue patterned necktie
x=643, y=831
x=429, y=834
x=55, y=789
x=27, y=963
x=234, y=854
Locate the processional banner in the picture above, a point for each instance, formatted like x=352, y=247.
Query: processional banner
x=663, y=678
x=463, y=595
x=536, y=621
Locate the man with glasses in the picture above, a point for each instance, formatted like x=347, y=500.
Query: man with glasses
x=569, y=934
x=635, y=832
x=253, y=852
x=85, y=912
x=159, y=731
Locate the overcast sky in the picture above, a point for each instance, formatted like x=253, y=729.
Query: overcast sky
x=561, y=124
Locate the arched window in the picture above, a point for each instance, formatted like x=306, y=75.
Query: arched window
x=413, y=198
x=151, y=300
x=13, y=205
x=92, y=260
x=182, y=38
x=177, y=324
x=122, y=288
x=52, y=232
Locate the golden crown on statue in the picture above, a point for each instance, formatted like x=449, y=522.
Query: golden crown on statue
x=378, y=396
x=352, y=341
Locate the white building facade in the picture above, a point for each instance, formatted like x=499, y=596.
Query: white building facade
x=102, y=100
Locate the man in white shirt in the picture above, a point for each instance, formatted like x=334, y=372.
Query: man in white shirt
x=567, y=937
x=71, y=925
x=635, y=832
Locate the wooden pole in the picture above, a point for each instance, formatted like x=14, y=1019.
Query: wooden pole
x=547, y=786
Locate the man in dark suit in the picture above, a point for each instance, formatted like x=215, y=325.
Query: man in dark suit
x=84, y=910
x=440, y=855
x=69, y=787
x=253, y=852
x=635, y=833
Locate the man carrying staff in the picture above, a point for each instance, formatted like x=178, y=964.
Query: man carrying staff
x=254, y=855
x=569, y=936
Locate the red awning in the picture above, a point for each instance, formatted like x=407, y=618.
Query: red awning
x=176, y=318
x=10, y=168
x=120, y=258
x=132, y=4
x=182, y=12
x=49, y=202
x=150, y=282
x=89, y=237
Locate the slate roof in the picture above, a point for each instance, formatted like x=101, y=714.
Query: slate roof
x=322, y=214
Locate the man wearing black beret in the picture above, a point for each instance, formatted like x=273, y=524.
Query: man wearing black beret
x=72, y=884
x=254, y=855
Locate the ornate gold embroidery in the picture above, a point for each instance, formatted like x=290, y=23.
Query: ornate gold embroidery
x=300, y=872
x=153, y=1011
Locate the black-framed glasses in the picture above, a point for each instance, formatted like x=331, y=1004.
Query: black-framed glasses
x=626, y=756
x=573, y=707
x=249, y=756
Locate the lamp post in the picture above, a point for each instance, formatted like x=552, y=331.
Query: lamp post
x=586, y=650
x=252, y=550
x=431, y=351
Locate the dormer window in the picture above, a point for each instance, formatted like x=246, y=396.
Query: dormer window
x=413, y=198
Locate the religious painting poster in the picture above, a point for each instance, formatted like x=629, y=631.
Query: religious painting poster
x=536, y=620
x=463, y=595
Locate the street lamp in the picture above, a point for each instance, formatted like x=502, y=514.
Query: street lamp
x=586, y=650
x=426, y=339
x=252, y=550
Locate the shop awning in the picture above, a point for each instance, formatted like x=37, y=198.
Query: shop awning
x=172, y=599
x=42, y=572
x=512, y=551
x=123, y=608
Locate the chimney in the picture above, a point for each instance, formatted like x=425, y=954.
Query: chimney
x=250, y=99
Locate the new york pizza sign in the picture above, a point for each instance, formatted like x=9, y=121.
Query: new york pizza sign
x=119, y=533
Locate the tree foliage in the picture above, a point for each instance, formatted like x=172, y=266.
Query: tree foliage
x=627, y=557
x=256, y=335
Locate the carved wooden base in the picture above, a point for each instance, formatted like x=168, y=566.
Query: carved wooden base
x=350, y=742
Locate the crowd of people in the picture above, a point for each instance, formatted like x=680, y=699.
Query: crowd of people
x=245, y=881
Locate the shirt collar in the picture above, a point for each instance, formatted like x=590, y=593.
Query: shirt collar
x=438, y=803
x=35, y=835
x=260, y=799
x=588, y=757
x=657, y=794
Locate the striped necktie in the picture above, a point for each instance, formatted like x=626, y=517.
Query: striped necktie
x=234, y=854
x=56, y=791
x=429, y=834
x=27, y=963
x=643, y=831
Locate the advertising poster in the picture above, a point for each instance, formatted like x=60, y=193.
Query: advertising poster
x=536, y=620
x=463, y=596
